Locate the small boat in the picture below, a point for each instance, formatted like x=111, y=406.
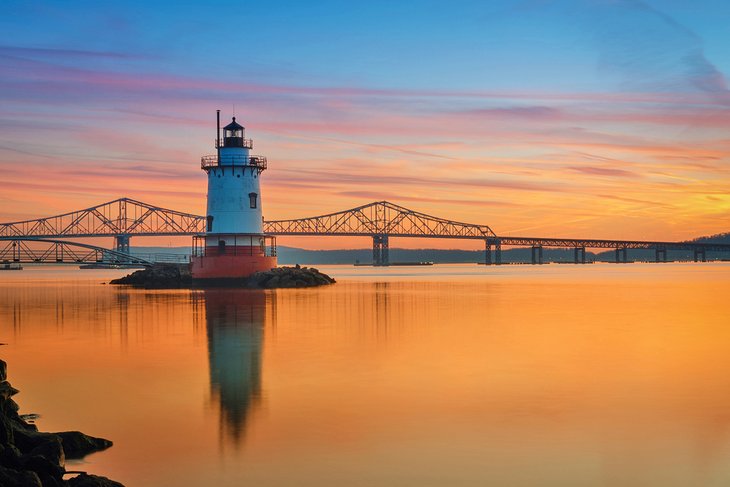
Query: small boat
x=11, y=266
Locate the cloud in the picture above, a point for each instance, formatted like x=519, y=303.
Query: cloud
x=541, y=113
x=604, y=171
x=50, y=53
x=650, y=51
x=393, y=197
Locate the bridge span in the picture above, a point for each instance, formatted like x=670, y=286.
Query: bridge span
x=124, y=218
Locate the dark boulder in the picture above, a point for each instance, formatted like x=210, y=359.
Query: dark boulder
x=27, y=439
x=78, y=445
x=159, y=276
x=32, y=458
x=51, y=449
x=18, y=478
x=86, y=480
x=49, y=472
x=7, y=391
x=288, y=277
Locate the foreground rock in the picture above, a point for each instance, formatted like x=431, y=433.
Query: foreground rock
x=159, y=276
x=29, y=457
x=170, y=276
x=86, y=480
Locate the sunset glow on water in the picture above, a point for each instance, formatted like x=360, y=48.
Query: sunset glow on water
x=447, y=375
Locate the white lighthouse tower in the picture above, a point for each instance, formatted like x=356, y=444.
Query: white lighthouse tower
x=234, y=245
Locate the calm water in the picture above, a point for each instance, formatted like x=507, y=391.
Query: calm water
x=558, y=375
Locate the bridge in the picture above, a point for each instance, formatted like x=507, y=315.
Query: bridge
x=124, y=218
x=62, y=252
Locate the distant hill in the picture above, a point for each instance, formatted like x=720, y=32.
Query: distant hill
x=719, y=238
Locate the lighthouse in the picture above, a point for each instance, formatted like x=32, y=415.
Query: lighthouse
x=234, y=245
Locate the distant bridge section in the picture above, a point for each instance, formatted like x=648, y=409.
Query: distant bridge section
x=120, y=219
x=620, y=246
x=124, y=217
x=46, y=251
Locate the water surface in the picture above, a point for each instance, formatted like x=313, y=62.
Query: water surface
x=457, y=375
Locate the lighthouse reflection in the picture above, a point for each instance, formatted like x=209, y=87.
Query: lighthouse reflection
x=235, y=322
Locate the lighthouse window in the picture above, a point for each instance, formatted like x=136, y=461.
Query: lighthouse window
x=252, y=199
x=210, y=223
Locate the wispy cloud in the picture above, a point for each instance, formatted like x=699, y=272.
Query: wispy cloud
x=51, y=53
x=651, y=51
x=604, y=171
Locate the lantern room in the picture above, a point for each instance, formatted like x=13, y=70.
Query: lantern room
x=233, y=134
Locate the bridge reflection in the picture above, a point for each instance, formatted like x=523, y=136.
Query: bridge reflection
x=235, y=323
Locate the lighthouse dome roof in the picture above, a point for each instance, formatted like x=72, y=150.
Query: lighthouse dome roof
x=233, y=125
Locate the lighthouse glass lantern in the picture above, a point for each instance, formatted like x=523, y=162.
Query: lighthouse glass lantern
x=234, y=245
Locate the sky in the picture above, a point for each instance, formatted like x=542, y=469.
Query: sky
x=564, y=118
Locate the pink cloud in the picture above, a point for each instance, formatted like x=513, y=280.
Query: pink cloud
x=604, y=171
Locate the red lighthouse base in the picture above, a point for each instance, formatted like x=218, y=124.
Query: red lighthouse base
x=228, y=263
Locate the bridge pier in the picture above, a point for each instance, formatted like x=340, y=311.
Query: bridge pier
x=700, y=255
x=621, y=255
x=121, y=243
x=488, y=251
x=380, y=250
x=660, y=255
x=537, y=254
x=579, y=255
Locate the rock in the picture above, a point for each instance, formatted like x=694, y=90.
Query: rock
x=13, y=406
x=86, y=480
x=159, y=276
x=31, y=458
x=50, y=449
x=27, y=438
x=15, y=478
x=164, y=276
x=289, y=277
x=50, y=473
x=6, y=429
x=272, y=283
x=7, y=391
x=77, y=445
x=10, y=457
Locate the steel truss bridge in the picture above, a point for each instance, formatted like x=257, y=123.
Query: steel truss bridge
x=59, y=251
x=46, y=239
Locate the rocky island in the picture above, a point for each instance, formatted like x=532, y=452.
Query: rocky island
x=30, y=458
x=172, y=276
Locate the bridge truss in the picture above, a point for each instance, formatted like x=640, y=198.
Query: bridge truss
x=379, y=220
x=124, y=217
x=120, y=218
x=46, y=251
